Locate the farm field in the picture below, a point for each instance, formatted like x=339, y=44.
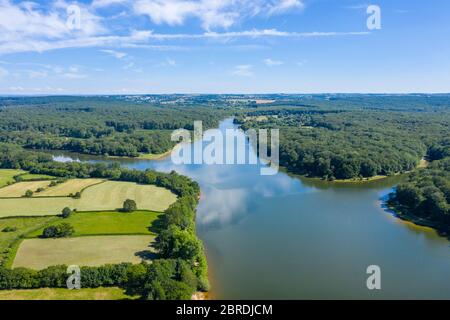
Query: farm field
x=65, y=294
x=7, y=175
x=71, y=186
x=83, y=251
x=106, y=196
x=107, y=223
x=18, y=189
x=64, y=189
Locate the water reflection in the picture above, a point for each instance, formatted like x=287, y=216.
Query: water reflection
x=288, y=237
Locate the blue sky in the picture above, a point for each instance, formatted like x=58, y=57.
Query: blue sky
x=227, y=46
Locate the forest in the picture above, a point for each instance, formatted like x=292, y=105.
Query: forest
x=425, y=196
x=97, y=125
x=349, y=143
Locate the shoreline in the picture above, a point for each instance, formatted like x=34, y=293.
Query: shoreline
x=397, y=213
x=423, y=163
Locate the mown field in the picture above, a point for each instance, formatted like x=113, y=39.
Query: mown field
x=105, y=196
x=7, y=176
x=22, y=227
x=64, y=189
x=18, y=189
x=71, y=186
x=65, y=294
x=108, y=223
x=83, y=251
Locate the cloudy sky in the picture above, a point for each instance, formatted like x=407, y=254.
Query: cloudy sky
x=222, y=46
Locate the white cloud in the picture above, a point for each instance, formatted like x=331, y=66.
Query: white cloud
x=301, y=63
x=141, y=38
x=116, y=54
x=243, y=70
x=272, y=63
x=171, y=62
x=128, y=65
x=33, y=74
x=3, y=72
x=106, y=3
x=211, y=13
x=16, y=89
x=285, y=5
x=30, y=20
x=360, y=6
x=72, y=75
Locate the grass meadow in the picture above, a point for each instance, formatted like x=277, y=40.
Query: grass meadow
x=83, y=251
x=108, y=223
x=7, y=176
x=65, y=294
x=105, y=196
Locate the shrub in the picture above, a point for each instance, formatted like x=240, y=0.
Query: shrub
x=129, y=206
x=66, y=212
x=60, y=231
x=28, y=194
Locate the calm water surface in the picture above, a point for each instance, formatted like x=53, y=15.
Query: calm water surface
x=286, y=237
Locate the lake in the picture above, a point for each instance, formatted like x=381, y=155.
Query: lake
x=287, y=237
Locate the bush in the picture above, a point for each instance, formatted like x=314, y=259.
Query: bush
x=28, y=194
x=61, y=231
x=9, y=229
x=66, y=212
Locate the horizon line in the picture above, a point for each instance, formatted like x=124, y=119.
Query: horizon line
x=5, y=95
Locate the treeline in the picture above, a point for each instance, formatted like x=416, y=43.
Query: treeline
x=119, y=144
x=164, y=279
x=181, y=268
x=426, y=196
x=97, y=125
x=349, y=144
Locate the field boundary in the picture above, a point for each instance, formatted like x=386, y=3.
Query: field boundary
x=14, y=245
x=48, y=197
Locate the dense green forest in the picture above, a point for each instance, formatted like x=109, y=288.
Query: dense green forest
x=334, y=142
x=98, y=125
x=425, y=196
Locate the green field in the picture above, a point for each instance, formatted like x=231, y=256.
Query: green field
x=106, y=196
x=83, y=251
x=24, y=226
x=7, y=176
x=65, y=294
x=107, y=223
